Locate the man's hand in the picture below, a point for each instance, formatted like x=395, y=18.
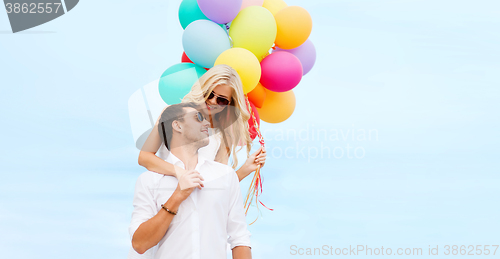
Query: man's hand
x=187, y=182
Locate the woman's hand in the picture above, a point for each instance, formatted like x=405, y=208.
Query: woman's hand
x=190, y=179
x=252, y=163
x=261, y=158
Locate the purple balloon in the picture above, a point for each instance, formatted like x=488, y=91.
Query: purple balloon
x=220, y=11
x=306, y=54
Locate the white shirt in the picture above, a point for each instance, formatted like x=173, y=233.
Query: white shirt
x=209, y=152
x=204, y=220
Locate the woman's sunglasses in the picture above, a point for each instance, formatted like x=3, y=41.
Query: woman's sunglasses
x=221, y=100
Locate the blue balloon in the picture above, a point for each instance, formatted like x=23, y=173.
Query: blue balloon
x=204, y=41
x=177, y=81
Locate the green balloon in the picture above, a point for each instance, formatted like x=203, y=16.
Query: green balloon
x=189, y=11
x=177, y=81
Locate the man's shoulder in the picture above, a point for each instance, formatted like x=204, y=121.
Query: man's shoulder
x=149, y=178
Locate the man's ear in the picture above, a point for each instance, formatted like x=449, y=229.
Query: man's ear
x=176, y=126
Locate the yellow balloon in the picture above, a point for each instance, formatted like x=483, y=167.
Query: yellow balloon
x=294, y=27
x=254, y=29
x=274, y=6
x=245, y=63
x=277, y=107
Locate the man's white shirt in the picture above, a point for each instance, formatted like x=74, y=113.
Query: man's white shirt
x=205, y=222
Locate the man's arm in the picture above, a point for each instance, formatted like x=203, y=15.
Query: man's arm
x=239, y=236
x=242, y=252
x=152, y=231
x=153, y=225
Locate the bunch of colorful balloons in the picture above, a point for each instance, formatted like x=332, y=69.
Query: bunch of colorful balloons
x=265, y=41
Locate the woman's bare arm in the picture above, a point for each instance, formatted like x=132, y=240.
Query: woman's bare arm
x=250, y=164
x=148, y=158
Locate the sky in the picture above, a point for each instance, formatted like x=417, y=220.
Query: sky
x=393, y=141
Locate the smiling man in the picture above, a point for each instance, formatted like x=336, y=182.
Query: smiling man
x=195, y=222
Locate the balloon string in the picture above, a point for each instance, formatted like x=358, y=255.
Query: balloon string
x=255, y=188
x=227, y=32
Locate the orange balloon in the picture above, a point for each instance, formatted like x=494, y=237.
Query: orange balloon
x=257, y=96
x=294, y=27
x=277, y=107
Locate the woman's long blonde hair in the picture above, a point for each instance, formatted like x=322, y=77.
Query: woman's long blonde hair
x=233, y=120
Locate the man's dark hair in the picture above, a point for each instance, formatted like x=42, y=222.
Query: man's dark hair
x=170, y=114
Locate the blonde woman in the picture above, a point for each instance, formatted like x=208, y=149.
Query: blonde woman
x=220, y=98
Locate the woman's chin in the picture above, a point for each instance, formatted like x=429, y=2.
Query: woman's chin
x=206, y=111
x=213, y=111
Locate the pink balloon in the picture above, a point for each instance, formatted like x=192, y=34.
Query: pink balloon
x=281, y=71
x=306, y=54
x=247, y=3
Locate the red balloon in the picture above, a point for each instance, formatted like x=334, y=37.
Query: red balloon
x=185, y=58
x=251, y=125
